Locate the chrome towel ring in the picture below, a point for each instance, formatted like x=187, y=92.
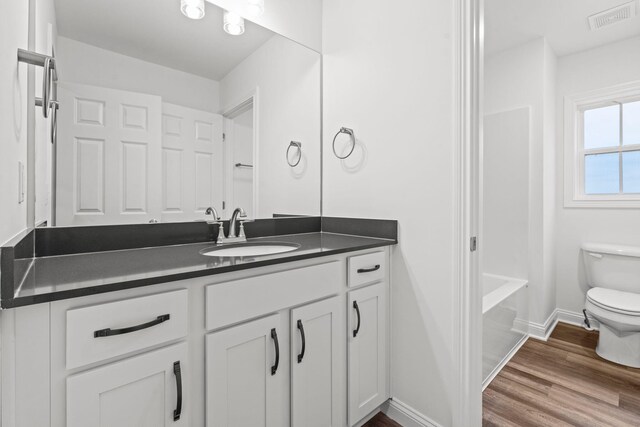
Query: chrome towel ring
x=298, y=145
x=353, y=142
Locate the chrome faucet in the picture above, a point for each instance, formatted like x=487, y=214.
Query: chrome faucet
x=233, y=231
x=235, y=234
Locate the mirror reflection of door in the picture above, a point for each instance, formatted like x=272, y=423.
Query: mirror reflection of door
x=129, y=157
x=239, y=140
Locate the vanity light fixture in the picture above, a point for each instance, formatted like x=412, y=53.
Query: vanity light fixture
x=233, y=23
x=193, y=9
x=255, y=7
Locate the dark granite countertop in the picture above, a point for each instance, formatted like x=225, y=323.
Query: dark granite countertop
x=51, y=278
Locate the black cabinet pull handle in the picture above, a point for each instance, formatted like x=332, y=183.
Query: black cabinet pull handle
x=274, y=335
x=304, y=341
x=355, y=305
x=178, y=373
x=369, y=270
x=109, y=332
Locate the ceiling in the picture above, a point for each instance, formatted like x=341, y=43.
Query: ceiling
x=156, y=31
x=510, y=23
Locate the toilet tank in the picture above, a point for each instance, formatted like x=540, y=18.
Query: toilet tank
x=612, y=266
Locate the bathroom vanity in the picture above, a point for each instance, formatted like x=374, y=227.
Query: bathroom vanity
x=164, y=335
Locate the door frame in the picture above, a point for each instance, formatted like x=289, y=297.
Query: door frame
x=469, y=42
x=228, y=113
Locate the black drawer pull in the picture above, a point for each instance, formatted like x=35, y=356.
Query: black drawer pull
x=369, y=270
x=304, y=343
x=357, y=329
x=109, y=332
x=274, y=335
x=178, y=373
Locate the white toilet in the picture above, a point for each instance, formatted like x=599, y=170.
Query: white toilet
x=613, y=273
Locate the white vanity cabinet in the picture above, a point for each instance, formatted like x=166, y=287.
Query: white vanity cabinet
x=145, y=390
x=221, y=332
x=368, y=350
x=247, y=374
x=317, y=337
x=279, y=370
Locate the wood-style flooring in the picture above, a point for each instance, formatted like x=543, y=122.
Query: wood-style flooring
x=381, y=420
x=562, y=382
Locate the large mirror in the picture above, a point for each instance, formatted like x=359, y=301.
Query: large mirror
x=161, y=116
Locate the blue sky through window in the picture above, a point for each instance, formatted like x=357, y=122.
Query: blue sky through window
x=602, y=174
x=631, y=172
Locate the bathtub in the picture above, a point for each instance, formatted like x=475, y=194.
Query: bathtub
x=505, y=319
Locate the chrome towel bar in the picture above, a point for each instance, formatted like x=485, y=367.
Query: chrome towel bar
x=352, y=135
x=298, y=145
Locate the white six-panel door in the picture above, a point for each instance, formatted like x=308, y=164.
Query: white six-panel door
x=108, y=156
x=192, y=163
x=242, y=387
x=140, y=391
x=315, y=392
x=367, y=350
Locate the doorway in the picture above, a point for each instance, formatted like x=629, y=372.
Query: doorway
x=240, y=158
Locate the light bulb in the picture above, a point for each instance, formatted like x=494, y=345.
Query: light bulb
x=233, y=23
x=193, y=9
x=255, y=7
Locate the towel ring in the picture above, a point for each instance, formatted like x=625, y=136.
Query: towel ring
x=353, y=142
x=298, y=145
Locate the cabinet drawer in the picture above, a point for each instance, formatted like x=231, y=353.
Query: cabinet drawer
x=239, y=300
x=102, y=331
x=367, y=268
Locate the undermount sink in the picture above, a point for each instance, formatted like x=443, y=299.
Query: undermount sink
x=250, y=249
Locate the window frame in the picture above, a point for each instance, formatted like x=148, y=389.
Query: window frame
x=575, y=153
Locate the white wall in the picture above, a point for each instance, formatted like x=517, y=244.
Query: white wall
x=524, y=76
x=287, y=76
x=389, y=74
x=82, y=63
x=593, y=69
x=13, y=115
x=299, y=20
x=505, y=195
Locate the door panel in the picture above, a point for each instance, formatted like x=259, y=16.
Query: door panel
x=367, y=350
x=108, y=156
x=315, y=393
x=139, y=391
x=192, y=174
x=242, y=389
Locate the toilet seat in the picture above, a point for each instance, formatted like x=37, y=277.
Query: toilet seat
x=626, y=303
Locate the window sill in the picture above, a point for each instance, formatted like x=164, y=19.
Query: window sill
x=603, y=203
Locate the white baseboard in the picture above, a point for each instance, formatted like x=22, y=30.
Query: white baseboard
x=541, y=331
x=576, y=319
x=406, y=416
x=504, y=361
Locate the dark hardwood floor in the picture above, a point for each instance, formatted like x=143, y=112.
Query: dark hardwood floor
x=562, y=382
x=381, y=420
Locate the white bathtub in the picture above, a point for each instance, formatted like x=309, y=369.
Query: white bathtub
x=505, y=318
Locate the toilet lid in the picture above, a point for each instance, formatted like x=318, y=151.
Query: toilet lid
x=618, y=301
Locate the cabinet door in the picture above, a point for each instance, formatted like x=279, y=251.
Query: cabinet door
x=367, y=308
x=146, y=390
x=315, y=353
x=248, y=374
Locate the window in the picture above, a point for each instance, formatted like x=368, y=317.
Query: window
x=602, y=148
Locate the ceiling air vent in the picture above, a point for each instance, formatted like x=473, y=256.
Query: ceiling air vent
x=614, y=15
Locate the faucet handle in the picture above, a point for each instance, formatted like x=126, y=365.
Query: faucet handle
x=241, y=234
x=221, y=237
